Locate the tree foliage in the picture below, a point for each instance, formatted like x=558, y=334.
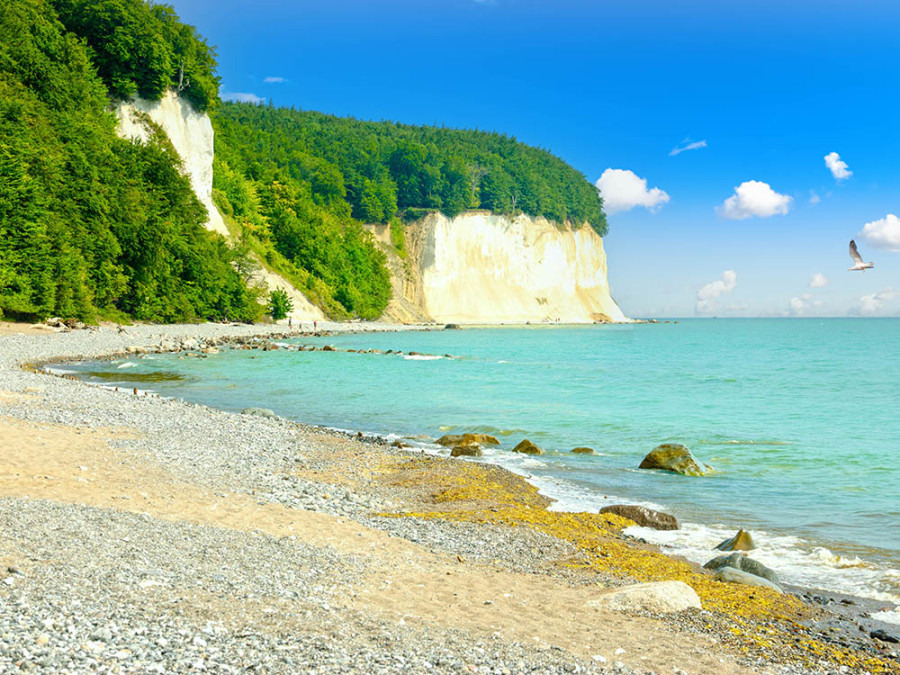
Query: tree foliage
x=141, y=48
x=92, y=225
x=374, y=170
x=280, y=304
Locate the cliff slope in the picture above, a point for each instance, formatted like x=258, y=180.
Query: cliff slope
x=191, y=134
x=479, y=268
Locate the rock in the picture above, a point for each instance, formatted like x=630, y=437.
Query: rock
x=452, y=326
x=583, y=451
x=259, y=412
x=328, y=348
x=742, y=541
x=741, y=562
x=528, y=448
x=210, y=350
x=643, y=516
x=732, y=576
x=466, y=450
x=657, y=596
x=676, y=458
x=400, y=444
x=883, y=636
x=455, y=439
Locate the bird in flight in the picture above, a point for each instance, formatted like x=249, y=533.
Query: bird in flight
x=858, y=263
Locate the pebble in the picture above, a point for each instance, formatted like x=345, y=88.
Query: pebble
x=113, y=591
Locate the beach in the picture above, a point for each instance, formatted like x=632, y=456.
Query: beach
x=147, y=534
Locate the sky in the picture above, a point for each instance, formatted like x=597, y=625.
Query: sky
x=738, y=146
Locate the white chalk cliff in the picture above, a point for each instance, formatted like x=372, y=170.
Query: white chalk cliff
x=481, y=268
x=191, y=134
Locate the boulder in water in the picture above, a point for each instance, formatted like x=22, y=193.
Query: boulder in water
x=742, y=541
x=643, y=516
x=657, y=596
x=452, y=326
x=583, y=451
x=732, y=576
x=741, y=562
x=455, y=439
x=528, y=448
x=676, y=458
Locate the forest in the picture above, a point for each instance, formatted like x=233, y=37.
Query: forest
x=93, y=226
x=96, y=227
x=300, y=183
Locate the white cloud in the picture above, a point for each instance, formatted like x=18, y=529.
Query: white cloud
x=814, y=197
x=685, y=145
x=709, y=293
x=874, y=303
x=884, y=233
x=754, y=198
x=837, y=166
x=275, y=79
x=622, y=190
x=243, y=97
x=818, y=280
x=799, y=305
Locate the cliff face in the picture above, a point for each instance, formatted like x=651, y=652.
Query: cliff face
x=483, y=268
x=191, y=134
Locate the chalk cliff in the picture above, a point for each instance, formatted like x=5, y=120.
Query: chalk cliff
x=484, y=268
x=191, y=134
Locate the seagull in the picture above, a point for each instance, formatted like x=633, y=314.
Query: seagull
x=858, y=263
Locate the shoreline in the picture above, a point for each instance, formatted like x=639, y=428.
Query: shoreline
x=28, y=412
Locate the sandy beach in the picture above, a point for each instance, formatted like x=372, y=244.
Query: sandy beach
x=139, y=534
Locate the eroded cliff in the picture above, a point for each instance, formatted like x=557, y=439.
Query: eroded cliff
x=481, y=268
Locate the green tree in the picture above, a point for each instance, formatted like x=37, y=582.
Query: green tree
x=280, y=304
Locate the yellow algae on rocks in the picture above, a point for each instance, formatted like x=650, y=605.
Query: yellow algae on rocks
x=759, y=618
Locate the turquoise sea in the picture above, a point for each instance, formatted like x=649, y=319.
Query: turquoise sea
x=800, y=418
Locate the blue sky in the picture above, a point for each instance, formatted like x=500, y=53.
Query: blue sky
x=737, y=226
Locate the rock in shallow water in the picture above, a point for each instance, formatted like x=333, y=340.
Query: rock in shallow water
x=676, y=458
x=528, y=448
x=455, y=439
x=741, y=562
x=657, y=596
x=583, y=451
x=643, y=516
x=742, y=541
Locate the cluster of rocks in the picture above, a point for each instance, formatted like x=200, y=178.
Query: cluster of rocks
x=58, y=325
x=472, y=444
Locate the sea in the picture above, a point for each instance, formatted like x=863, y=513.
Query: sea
x=800, y=419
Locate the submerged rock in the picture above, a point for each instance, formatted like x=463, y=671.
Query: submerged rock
x=643, y=516
x=259, y=412
x=583, y=451
x=733, y=576
x=528, y=448
x=741, y=562
x=455, y=439
x=742, y=541
x=657, y=596
x=676, y=458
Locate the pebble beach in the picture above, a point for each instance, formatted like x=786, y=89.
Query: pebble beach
x=142, y=534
